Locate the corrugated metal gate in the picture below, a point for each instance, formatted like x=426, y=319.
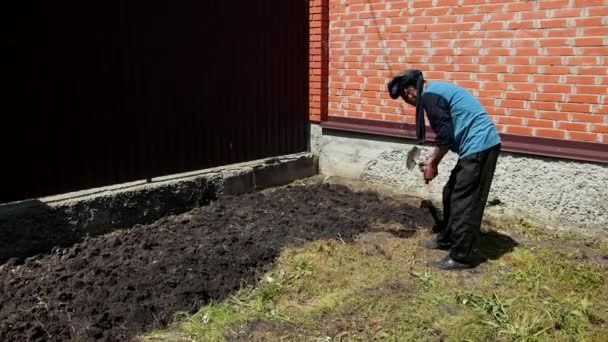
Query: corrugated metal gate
x=110, y=91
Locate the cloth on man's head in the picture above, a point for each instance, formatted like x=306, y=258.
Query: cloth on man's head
x=408, y=78
x=405, y=79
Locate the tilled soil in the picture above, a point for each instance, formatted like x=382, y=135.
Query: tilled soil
x=113, y=287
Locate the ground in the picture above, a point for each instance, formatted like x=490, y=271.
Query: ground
x=311, y=261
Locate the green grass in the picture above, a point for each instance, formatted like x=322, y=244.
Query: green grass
x=382, y=289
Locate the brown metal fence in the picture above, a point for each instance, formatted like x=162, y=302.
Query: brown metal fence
x=103, y=92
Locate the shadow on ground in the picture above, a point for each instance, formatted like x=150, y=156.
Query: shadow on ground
x=32, y=227
x=493, y=245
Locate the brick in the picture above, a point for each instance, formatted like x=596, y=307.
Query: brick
x=567, y=12
x=557, y=88
x=540, y=123
x=584, y=136
x=548, y=4
x=525, y=113
x=513, y=77
x=519, y=130
x=490, y=93
x=486, y=102
x=556, y=70
x=393, y=118
x=550, y=133
x=525, y=86
x=512, y=103
x=489, y=59
x=515, y=43
x=520, y=6
x=524, y=69
x=594, y=51
x=422, y=3
x=585, y=22
x=497, y=69
x=553, y=42
x=356, y=114
x=580, y=79
x=590, y=99
x=469, y=67
x=591, y=118
x=501, y=16
x=486, y=77
x=553, y=115
x=518, y=95
x=558, y=51
x=441, y=3
x=520, y=24
x=549, y=97
x=598, y=128
x=438, y=11
x=496, y=85
x=596, y=31
x=487, y=26
x=543, y=105
x=553, y=23
x=490, y=8
x=600, y=70
x=534, y=15
x=473, y=18
x=470, y=34
x=572, y=126
x=548, y=60
x=586, y=3
x=463, y=9
x=598, y=11
x=588, y=89
x=508, y=120
x=486, y=43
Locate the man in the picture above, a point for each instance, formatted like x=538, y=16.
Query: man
x=463, y=126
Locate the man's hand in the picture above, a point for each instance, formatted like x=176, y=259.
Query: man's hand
x=429, y=170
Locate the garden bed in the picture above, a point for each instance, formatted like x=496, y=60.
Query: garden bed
x=116, y=286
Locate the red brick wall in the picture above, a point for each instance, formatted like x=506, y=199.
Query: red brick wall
x=539, y=67
x=319, y=32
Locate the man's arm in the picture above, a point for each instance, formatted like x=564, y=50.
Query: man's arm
x=438, y=112
x=438, y=153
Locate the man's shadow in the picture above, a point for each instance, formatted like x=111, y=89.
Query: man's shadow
x=492, y=244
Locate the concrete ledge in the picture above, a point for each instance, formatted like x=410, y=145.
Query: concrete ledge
x=559, y=193
x=36, y=226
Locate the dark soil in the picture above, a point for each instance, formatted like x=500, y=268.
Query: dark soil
x=113, y=287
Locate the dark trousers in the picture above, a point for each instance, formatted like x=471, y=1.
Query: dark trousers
x=464, y=201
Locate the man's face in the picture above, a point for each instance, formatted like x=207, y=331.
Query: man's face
x=409, y=95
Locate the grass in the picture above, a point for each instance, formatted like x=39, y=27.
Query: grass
x=381, y=289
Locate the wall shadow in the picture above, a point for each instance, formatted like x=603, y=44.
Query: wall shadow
x=32, y=227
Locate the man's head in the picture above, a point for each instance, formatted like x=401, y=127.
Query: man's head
x=405, y=85
x=409, y=85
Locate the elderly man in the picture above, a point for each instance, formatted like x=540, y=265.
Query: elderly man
x=463, y=126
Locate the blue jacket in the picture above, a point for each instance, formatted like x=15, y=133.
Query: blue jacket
x=460, y=122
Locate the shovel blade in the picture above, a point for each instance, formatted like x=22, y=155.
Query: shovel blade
x=412, y=158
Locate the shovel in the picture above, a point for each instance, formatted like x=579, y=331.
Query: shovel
x=413, y=158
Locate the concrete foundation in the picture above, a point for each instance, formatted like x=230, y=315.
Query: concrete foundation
x=36, y=226
x=559, y=193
